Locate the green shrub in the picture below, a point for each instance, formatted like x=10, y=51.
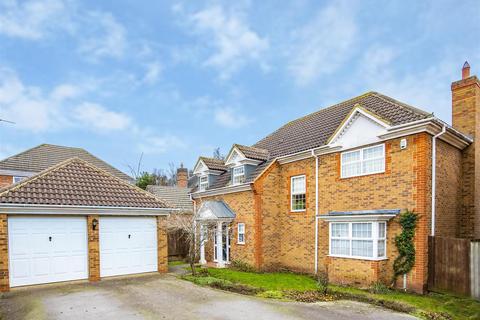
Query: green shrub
x=322, y=282
x=379, y=288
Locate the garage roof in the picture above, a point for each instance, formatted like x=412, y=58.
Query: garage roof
x=76, y=182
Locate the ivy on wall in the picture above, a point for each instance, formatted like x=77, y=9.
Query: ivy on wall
x=405, y=245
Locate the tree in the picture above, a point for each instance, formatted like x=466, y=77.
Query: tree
x=186, y=224
x=144, y=180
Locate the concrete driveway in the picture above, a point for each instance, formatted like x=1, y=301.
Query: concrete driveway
x=167, y=297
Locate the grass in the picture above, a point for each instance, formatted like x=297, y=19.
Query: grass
x=176, y=263
x=277, y=285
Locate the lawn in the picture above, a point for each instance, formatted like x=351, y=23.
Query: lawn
x=176, y=263
x=430, y=306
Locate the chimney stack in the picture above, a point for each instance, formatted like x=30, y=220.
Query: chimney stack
x=465, y=70
x=466, y=119
x=182, y=177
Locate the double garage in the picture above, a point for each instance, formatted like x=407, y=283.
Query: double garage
x=45, y=249
x=76, y=222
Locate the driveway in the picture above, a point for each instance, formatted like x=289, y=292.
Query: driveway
x=167, y=297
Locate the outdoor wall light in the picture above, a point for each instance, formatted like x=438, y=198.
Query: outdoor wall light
x=94, y=223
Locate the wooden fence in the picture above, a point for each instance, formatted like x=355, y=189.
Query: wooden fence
x=454, y=265
x=177, y=246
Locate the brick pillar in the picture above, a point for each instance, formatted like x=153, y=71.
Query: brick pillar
x=93, y=249
x=162, y=244
x=4, y=275
x=466, y=119
x=182, y=177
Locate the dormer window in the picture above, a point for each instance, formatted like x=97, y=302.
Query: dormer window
x=238, y=174
x=203, y=183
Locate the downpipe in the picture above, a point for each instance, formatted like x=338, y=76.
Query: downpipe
x=316, y=212
x=434, y=176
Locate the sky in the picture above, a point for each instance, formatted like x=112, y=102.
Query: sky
x=173, y=80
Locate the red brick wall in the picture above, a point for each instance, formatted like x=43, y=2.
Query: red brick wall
x=448, y=201
x=93, y=249
x=162, y=244
x=5, y=181
x=4, y=275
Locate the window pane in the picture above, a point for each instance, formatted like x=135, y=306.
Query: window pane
x=350, y=156
x=298, y=185
x=373, y=152
x=241, y=238
x=381, y=230
x=340, y=247
x=381, y=248
x=362, y=248
x=298, y=201
x=361, y=230
x=340, y=230
x=375, y=165
x=351, y=169
x=241, y=228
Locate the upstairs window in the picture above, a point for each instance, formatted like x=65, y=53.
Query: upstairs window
x=203, y=183
x=361, y=240
x=298, y=193
x=363, y=161
x=238, y=175
x=18, y=179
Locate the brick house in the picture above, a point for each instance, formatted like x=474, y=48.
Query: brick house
x=323, y=193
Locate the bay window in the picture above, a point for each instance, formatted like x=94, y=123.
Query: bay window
x=363, y=161
x=362, y=240
x=298, y=193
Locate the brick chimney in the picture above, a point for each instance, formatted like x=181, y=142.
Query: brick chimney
x=466, y=119
x=182, y=177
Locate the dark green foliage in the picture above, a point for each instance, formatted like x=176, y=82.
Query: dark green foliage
x=405, y=245
x=144, y=180
x=241, y=265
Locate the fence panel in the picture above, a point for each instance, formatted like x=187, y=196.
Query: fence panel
x=177, y=246
x=475, y=269
x=449, y=265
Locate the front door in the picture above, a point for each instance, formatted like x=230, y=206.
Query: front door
x=225, y=244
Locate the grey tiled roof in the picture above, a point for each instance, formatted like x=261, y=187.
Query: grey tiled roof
x=214, y=164
x=76, y=182
x=314, y=130
x=215, y=210
x=178, y=197
x=252, y=152
x=44, y=156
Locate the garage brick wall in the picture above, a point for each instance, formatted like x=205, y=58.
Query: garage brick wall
x=93, y=249
x=162, y=244
x=4, y=276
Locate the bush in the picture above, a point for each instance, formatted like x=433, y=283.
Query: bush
x=271, y=294
x=242, y=266
x=322, y=282
x=379, y=288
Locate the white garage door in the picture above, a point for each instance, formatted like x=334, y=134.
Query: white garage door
x=127, y=245
x=47, y=249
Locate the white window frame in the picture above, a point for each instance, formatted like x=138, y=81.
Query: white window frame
x=361, y=161
x=17, y=179
x=297, y=193
x=240, y=233
x=202, y=186
x=375, y=238
x=236, y=175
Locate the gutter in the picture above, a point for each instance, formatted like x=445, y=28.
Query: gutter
x=434, y=173
x=316, y=211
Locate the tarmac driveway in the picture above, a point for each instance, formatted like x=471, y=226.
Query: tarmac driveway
x=166, y=297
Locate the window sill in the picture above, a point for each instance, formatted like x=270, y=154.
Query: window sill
x=362, y=175
x=358, y=258
x=241, y=243
x=298, y=211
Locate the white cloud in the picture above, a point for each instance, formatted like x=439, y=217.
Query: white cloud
x=64, y=92
x=33, y=19
x=153, y=72
x=322, y=45
x=234, y=41
x=106, y=39
x=152, y=143
x=99, y=118
x=231, y=118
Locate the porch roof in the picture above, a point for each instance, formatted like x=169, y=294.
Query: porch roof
x=215, y=210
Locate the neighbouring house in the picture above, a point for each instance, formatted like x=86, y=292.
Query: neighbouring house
x=75, y=221
x=29, y=162
x=179, y=197
x=323, y=193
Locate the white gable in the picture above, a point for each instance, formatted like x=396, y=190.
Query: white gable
x=234, y=158
x=359, y=130
x=200, y=168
